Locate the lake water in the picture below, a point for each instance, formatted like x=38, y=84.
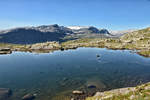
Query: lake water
x=57, y=74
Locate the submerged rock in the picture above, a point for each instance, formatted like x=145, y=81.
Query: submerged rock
x=28, y=97
x=95, y=83
x=5, y=93
x=91, y=86
x=97, y=55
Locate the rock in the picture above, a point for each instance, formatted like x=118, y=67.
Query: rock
x=91, y=86
x=62, y=49
x=97, y=55
x=76, y=92
x=5, y=51
x=46, y=46
x=72, y=99
x=95, y=83
x=5, y=93
x=132, y=97
x=28, y=97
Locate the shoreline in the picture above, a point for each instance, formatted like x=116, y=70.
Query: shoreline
x=140, y=92
x=54, y=46
x=74, y=44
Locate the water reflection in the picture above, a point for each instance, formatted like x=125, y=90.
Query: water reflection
x=54, y=75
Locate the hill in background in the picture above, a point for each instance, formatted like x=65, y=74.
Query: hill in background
x=44, y=33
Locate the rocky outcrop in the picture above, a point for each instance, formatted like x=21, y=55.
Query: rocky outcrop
x=5, y=93
x=45, y=46
x=77, y=92
x=131, y=93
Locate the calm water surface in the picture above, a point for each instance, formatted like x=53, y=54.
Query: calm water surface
x=52, y=74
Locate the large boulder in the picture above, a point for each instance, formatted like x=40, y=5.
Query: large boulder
x=77, y=92
x=5, y=51
x=5, y=93
x=28, y=97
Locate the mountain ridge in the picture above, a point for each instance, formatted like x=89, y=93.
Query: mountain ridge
x=43, y=33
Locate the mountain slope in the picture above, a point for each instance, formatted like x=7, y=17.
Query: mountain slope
x=137, y=36
x=122, y=32
x=32, y=35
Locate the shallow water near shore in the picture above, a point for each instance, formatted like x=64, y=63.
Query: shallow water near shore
x=57, y=74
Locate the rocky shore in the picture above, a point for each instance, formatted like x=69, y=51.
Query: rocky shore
x=138, y=40
x=141, y=92
x=115, y=44
x=38, y=48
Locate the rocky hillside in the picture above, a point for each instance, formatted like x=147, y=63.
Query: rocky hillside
x=122, y=32
x=137, y=36
x=138, y=40
x=141, y=92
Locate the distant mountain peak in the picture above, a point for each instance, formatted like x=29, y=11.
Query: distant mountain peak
x=88, y=29
x=122, y=32
x=77, y=27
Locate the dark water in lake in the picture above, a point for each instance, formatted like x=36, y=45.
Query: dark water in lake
x=56, y=74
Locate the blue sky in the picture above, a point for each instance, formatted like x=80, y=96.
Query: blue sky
x=110, y=14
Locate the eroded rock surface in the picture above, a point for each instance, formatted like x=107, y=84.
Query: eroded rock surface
x=28, y=97
x=5, y=93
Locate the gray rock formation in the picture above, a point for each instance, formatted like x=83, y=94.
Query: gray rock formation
x=5, y=51
x=28, y=97
x=5, y=93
